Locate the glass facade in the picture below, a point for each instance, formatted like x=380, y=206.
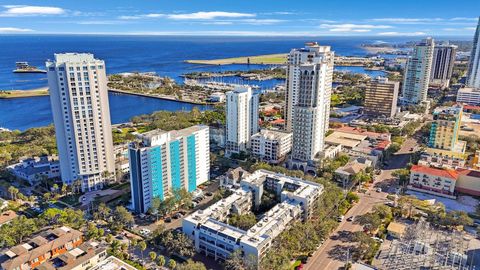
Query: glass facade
x=192, y=164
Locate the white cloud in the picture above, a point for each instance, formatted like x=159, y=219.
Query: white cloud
x=202, y=15
x=409, y=34
x=354, y=28
x=106, y=22
x=20, y=10
x=470, y=28
x=209, y=15
x=6, y=30
x=463, y=19
x=260, y=21
x=143, y=16
x=406, y=20
x=349, y=30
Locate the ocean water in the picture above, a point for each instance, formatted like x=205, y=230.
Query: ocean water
x=164, y=55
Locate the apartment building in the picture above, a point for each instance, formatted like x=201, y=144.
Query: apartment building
x=168, y=160
x=308, y=92
x=271, y=146
x=473, y=73
x=469, y=95
x=43, y=248
x=435, y=181
x=417, y=72
x=442, y=64
x=34, y=169
x=242, y=119
x=216, y=239
x=381, y=97
x=80, y=108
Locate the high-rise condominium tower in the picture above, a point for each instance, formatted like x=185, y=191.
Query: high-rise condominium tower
x=242, y=119
x=309, y=87
x=79, y=98
x=417, y=72
x=473, y=77
x=442, y=64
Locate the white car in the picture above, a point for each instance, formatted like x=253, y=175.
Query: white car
x=145, y=232
x=340, y=218
x=380, y=240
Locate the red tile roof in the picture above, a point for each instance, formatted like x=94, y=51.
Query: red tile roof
x=355, y=130
x=433, y=171
x=470, y=107
x=278, y=122
x=468, y=172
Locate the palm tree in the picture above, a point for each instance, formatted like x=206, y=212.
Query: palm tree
x=160, y=260
x=64, y=190
x=77, y=185
x=152, y=255
x=13, y=192
x=142, y=245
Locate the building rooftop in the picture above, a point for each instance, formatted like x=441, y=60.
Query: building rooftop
x=397, y=228
x=348, y=140
x=451, y=174
x=272, y=134
x=112, y=263
x=272, y=222
x=469, y=90
x=447, y=113
x=7, y=216
x=158, y=136
x=50, y=240
x=74, y=57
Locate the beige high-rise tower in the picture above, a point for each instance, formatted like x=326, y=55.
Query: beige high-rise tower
x=79, y=99
x=309, y=87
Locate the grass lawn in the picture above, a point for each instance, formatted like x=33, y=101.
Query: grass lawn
x=268, y=59
x=24, y=93
x=122, y=186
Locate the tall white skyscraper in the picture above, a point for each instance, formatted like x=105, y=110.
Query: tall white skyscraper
x=473, y=75
x=309, y=87
x=242, y=119
x=442, y=64
x=79, y=98
x=417, y=72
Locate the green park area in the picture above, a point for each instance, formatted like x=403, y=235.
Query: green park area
x=268, y=59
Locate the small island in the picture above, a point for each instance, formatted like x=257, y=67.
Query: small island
x=4, y=94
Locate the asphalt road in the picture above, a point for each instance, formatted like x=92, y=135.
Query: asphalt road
x=333, y=253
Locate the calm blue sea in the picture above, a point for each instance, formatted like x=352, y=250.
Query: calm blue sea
x=164, y=55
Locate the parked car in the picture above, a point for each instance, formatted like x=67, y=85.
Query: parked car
x=380, y=240
x=378, y=190
x=351, y=218
x=209, y=194
x=168, y=219
x=340, y=218
x=177, y=216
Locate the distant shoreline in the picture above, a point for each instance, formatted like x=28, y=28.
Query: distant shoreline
x=267, y=59
x=43, y=91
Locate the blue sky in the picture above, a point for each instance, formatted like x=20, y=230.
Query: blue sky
x=241, y=17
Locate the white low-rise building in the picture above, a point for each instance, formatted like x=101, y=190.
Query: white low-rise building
x=34, y=169
x=215, y=238
x=469, y=95
x=271, y=146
